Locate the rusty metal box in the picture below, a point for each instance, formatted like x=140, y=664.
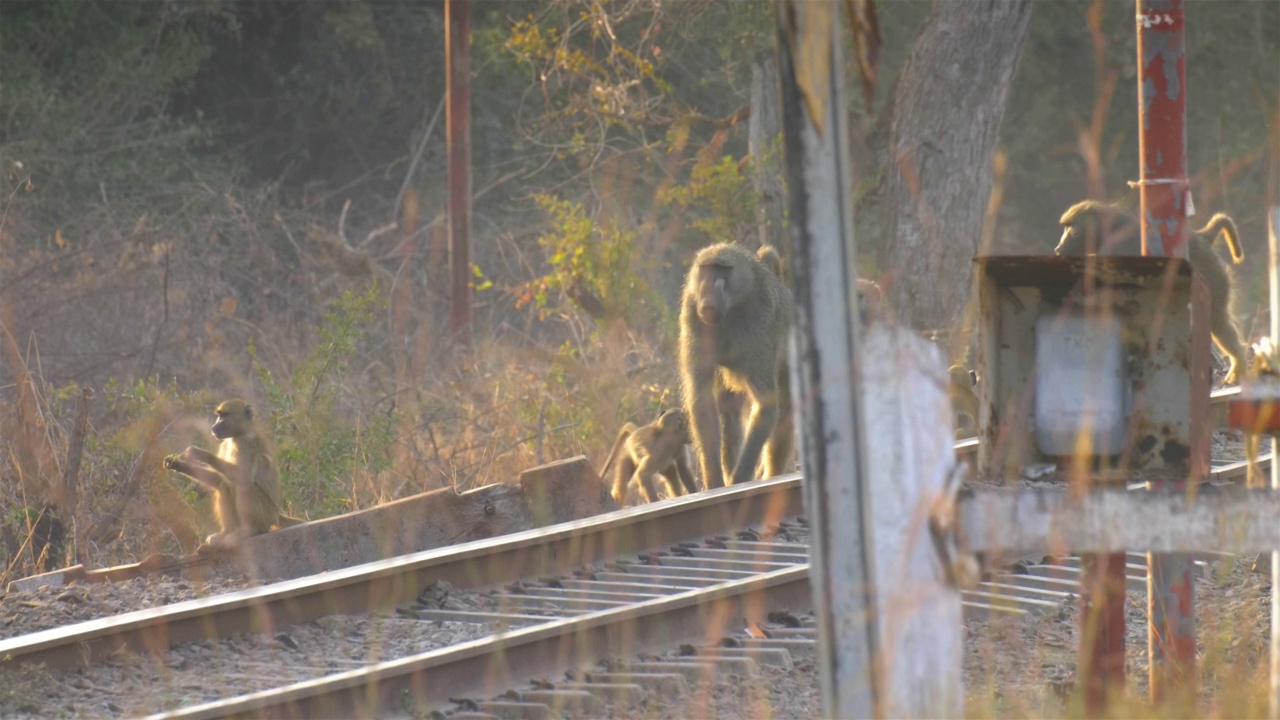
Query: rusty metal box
x=1160, y=310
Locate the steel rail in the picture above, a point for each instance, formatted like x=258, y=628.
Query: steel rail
x=387, y=583
x=490, y=665
x=391, y=582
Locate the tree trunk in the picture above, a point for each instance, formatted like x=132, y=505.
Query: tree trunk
x=947, y=107
x=763, y=128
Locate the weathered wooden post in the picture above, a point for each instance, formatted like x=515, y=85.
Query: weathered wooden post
x=889, y=641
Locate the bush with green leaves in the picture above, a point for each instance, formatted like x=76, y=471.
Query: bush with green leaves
x=319, y=450
x=596, y=264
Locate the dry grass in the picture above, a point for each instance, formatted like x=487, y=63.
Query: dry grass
x=161, y=339
x=1026, y=667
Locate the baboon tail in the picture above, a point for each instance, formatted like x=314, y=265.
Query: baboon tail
x=289, y=521
x=1221, y=225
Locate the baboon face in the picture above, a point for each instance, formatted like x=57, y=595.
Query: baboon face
x=674, y=423
x=1082, y=228
x=1074, y=238
x=712, y=287
x=233, y=419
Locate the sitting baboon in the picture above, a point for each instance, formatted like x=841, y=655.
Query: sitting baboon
x=656, y=449
x=735, y=315
x=242, y=476
x=1082, y=235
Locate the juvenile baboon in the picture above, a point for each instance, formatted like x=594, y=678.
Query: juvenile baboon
x=734, y=318
x=242, y=476
x=1081, y=235
x=649, y=450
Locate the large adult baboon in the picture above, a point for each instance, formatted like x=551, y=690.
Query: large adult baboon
x=734, y=318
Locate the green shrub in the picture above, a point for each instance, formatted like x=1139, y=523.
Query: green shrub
x=318, y=450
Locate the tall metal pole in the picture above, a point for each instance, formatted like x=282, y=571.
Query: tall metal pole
x=1162, y=133
x=1162, y=106
x=1274, y=295
x=1273, y=275
x=457, y=20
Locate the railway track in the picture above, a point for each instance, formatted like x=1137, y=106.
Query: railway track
x=660, y=570
x=598, y=619
x=692, y=572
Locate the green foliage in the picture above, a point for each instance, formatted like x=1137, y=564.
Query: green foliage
x=318, y=451
x=718, y=199
x=592, y=259
x=481, y=282
x=615, y=84
x=87, y=91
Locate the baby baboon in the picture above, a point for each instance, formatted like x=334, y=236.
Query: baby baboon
x=734, y=317
x=242, y=476
x=654, y=449
x=964, y=401
x=1081, y=235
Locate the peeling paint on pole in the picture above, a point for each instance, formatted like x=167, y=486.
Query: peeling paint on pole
x=1101, y=621
x=1162, y=105
x=889, y=619
x=1165, y=198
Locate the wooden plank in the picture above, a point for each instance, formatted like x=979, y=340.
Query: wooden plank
x=1230, y=519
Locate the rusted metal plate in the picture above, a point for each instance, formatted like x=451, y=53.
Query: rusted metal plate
x=1255, y=407
x=1257, y=416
